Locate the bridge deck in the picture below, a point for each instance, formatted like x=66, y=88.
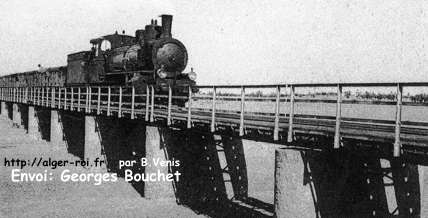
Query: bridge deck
x=211, y=112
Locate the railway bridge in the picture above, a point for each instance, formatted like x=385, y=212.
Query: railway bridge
x=341, y=155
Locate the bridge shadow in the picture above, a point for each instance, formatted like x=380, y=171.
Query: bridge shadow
x=9, y=107
x=24, y=116
x=73, y=125
x=207, y=174
x=122, y=139
x=43, y=117
x=352, y=182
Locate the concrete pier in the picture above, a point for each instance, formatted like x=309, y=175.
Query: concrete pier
x=16, y=116
x=92, y=144
x=56, y=130
x=33, y=124
x=156, y=151
x=292, y=197
x=3, y=108
x=423, y=182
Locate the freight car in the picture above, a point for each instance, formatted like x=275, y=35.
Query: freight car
x=151, y=57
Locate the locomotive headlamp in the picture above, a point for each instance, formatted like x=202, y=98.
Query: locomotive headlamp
x=162, y=74
x=192, y=75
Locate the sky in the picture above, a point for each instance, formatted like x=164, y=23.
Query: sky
x=236, y=42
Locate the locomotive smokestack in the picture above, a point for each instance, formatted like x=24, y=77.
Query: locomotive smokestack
x=166, y=26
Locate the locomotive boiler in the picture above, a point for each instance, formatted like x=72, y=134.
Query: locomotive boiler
x=151, y=57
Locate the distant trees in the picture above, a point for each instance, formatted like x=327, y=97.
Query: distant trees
x=378, y=96
x=419, y=98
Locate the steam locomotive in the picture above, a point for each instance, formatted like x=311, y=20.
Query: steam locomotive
x=152, y=57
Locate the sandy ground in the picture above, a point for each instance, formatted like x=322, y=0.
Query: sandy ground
x=64, y=199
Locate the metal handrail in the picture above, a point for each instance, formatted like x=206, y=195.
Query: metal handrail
x=67, y=98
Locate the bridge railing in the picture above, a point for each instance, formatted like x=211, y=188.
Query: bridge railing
x=241, y=106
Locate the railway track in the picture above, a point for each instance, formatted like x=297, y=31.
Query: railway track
x=124, y=102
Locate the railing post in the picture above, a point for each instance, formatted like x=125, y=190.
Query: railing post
x=78, y=98
x=338, y=117
x=108, y=100
x=42, y=101
x=291, y=115
x=276, y=125
x=189, y=109
x=87, y=99
x=59, y=97
x=397, y=142
x=45, y=96
x=168, y=120
x=133, y=103
x=72, y=99
x=37, y=96
x=65, y=98
x=119, y=111
x=26, y=95
x=41, y=96
x=213, y=109
x=53, y=98
x=99, y=101
x=241, y=123
x=152, y=108
x=147, y=103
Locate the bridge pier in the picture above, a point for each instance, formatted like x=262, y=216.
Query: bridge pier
x=16, y=116
x=155, y=150
x=56, y=130
x=292, y=197
x=423, y=182
x=33, y=124
x=92, y=143
x=3, y=108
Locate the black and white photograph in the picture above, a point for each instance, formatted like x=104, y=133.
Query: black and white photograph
x=215, y=108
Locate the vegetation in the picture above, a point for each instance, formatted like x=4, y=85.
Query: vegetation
x=418, y=98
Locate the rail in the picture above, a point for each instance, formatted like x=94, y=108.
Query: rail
x=232, y=107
